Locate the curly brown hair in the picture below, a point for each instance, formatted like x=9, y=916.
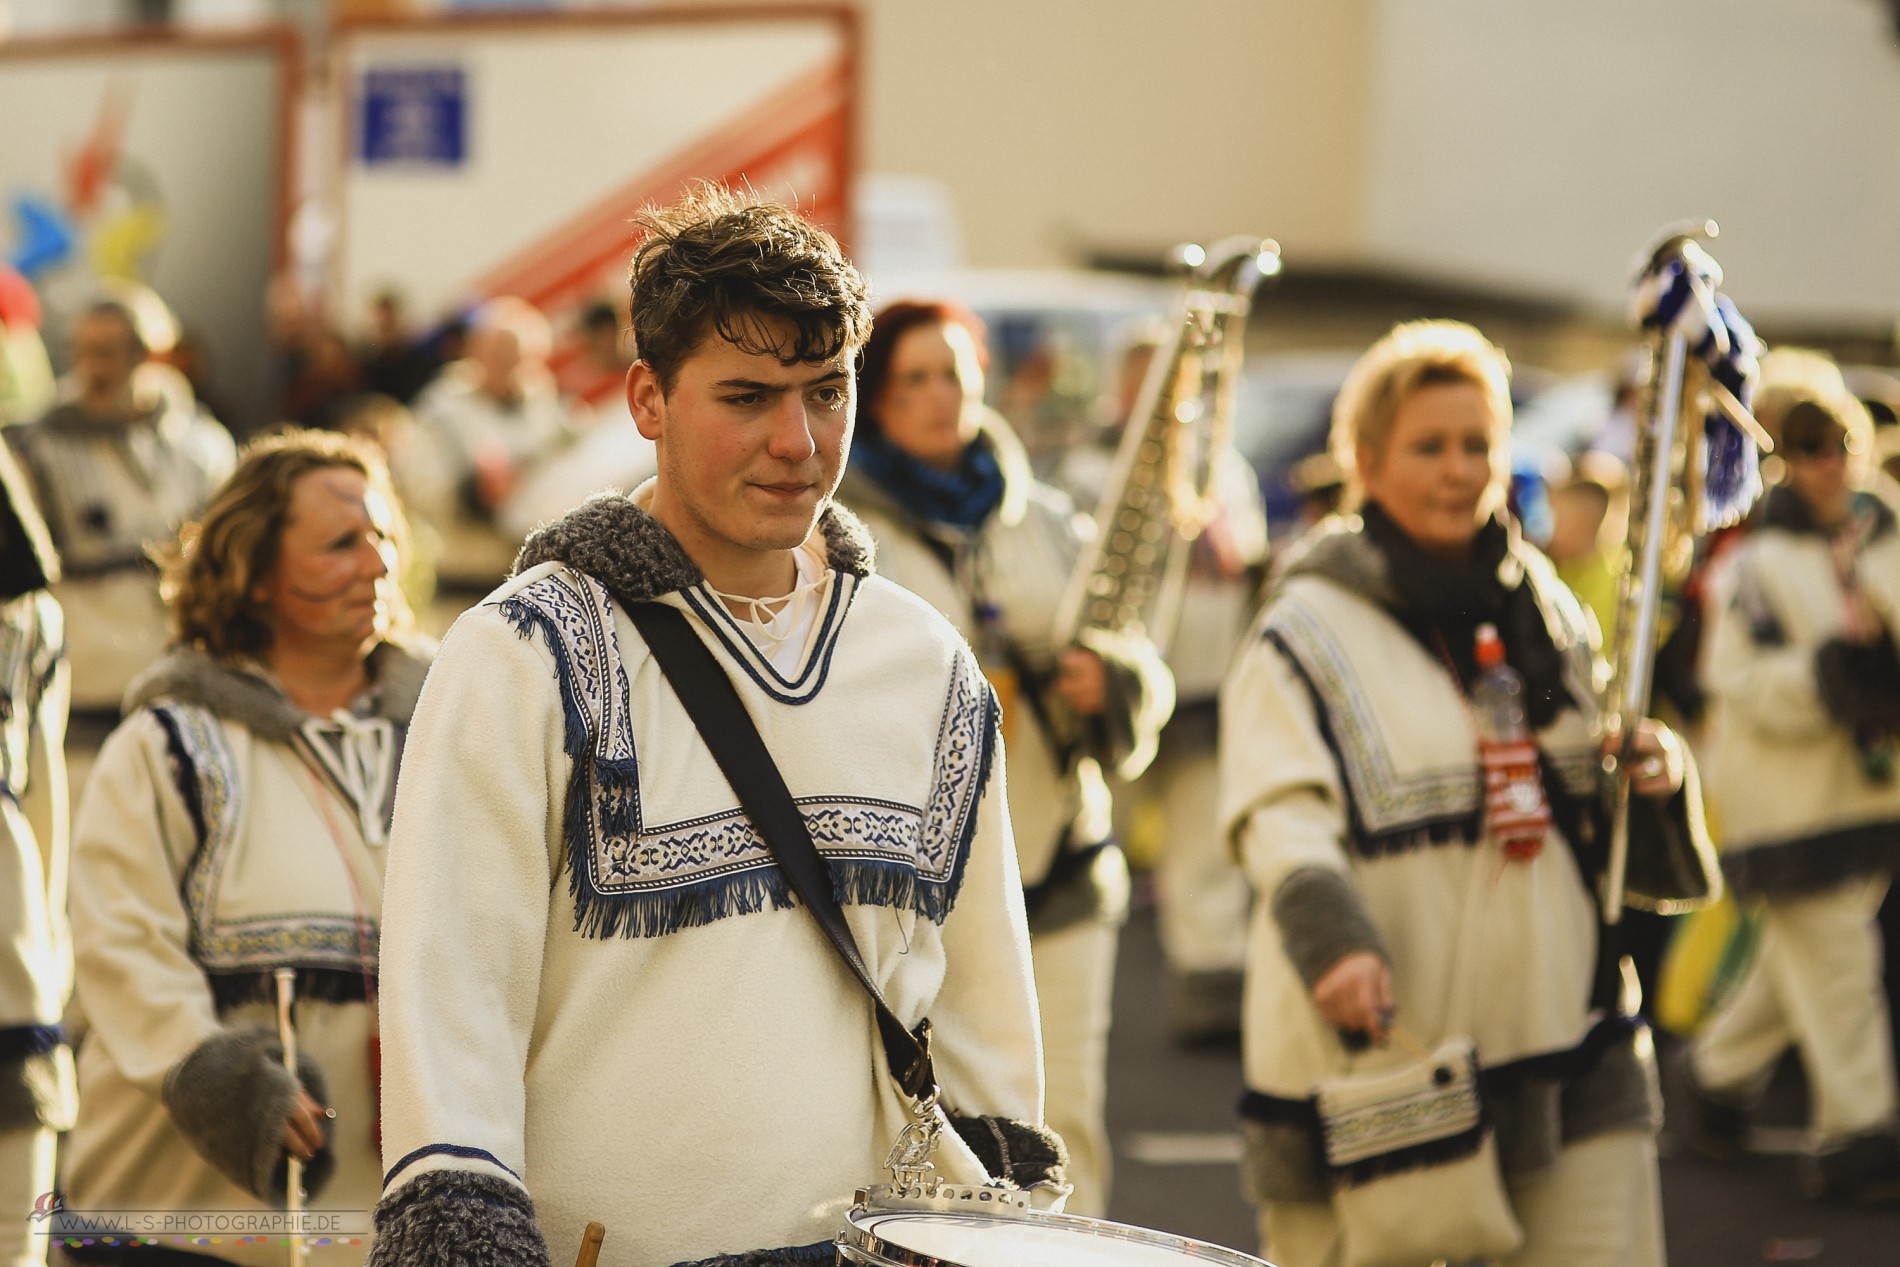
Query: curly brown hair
x=724, y=262
x=207, y=575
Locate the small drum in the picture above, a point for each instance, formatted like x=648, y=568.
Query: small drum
x=974, y=1228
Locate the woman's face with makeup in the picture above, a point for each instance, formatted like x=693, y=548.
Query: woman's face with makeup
x=335, y=574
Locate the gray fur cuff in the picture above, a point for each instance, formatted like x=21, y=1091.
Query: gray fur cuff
x=1140, y=698
x=1321, y=922
x=231, y=1098
x=457, y=1218
x=1019, y=1153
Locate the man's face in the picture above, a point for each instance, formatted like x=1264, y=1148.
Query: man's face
x=750, y=450
x=104, y=354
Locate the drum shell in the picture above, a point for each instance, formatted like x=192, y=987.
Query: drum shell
x=875, y=1237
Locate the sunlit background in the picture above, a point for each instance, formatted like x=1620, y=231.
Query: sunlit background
x=1499, y=161
x=281, y=172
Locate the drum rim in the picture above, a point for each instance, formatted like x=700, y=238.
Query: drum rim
x=862, y=1240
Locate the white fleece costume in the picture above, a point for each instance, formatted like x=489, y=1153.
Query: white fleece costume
x=213, y=846
x=36, y=954
x=596, y=986
x=1351, y=788
x=107, y=490
x=1807, y=828
x=1017, y=562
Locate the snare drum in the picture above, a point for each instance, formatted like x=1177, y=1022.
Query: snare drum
x=881, y=1232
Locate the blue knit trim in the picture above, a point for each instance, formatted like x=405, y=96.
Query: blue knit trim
x=854, y=882
x=761, y=670
x=617, y=780
x=630, y=878
x=445, y=1150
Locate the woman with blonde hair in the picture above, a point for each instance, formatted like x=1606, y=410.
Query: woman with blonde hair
x=234, y=826
x=1396, y=888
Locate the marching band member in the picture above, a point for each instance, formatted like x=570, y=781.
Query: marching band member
x=116, y=467
x=36, y=956
x=1805, y=707
x=958, y=519
x=601, y=1002
x=235, y=824
x=1351, y=786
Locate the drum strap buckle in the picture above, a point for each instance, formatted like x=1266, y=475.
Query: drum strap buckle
x=913, y=1173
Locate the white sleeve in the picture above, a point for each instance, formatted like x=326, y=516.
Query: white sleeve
x=473, y=857
x=987, y=1040
x=145, y=997
x=1282, y=804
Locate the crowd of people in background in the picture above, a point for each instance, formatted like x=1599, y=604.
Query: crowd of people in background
x=217, y=601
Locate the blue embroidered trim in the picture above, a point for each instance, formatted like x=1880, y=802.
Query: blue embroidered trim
x=602, y=787
x=445, y=1150
x=1388, y=802
x=184, y=778
x=952, y=796
x=724, y=627
x=208, y=781
x=1440, y=829
x=631, y=879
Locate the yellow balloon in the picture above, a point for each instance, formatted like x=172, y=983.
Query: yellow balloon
x=122, y=241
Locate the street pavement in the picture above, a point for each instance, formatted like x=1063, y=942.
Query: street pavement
x=1171, y=1115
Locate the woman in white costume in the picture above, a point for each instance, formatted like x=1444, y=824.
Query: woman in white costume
x=1352, y=787
x=946, y=491
x=235, y=825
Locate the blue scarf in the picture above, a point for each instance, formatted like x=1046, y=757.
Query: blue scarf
x=962, y=498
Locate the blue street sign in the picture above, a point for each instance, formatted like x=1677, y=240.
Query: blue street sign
x=414, y=115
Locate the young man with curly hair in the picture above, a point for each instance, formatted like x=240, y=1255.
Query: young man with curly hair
x=600, y=1000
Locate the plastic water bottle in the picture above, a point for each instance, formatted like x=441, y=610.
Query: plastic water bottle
x=1515, y=810
x=1497, y=697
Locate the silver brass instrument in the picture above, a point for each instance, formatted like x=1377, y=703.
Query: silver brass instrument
x=1669, y=506
x=1160, y=492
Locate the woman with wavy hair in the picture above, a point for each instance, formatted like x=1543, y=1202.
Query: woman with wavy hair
x=234, y=826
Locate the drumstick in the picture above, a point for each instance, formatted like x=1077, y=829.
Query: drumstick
x=590, y=1245
x=1412, y=1046
x=293, y=1176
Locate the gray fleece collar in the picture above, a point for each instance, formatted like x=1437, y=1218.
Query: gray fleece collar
x=1338, y=550
x=190, y=676
x=630, y=552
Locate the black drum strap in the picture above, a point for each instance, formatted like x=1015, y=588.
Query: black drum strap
x=710, y=700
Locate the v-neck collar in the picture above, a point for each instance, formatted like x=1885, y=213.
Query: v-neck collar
x=813, y=667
